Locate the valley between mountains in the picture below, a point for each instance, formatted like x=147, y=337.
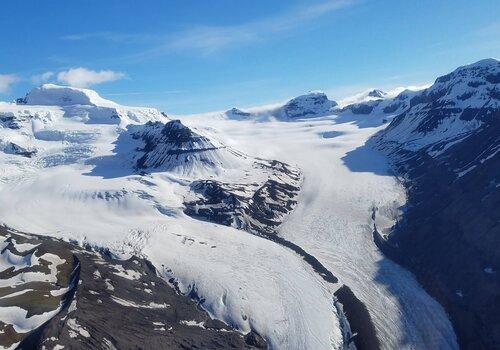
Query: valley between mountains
x=305, y=225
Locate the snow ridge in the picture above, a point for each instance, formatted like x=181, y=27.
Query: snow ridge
x=454, y=106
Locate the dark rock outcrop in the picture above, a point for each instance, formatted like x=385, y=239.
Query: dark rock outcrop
x=175, y=147
x=256, y=207
x=377, y=93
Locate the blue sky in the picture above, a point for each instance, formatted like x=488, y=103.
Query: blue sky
x=191, y=56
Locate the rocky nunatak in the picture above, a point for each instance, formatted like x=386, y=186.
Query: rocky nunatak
x=60, y=295
x=257, y=207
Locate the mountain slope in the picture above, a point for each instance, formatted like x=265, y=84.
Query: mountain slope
x=455, y=105
x=445, y=147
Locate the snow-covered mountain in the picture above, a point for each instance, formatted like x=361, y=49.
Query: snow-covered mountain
x=376, y=93
x=310, y=105
x=377, y=107
x=236, y=113
x=365, y=96
x=264, y=225
x=54, y=95
x=445, y=146
x=454, y=106
x=84, y=104
x=313, y=104
x=66, y=131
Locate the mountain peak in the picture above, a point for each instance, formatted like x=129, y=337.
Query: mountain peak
x=56, y=95
x=236, y=113
x=488, y=69
x=174, y=147
x=485, y=62
x=314, y=103
x=377, y=93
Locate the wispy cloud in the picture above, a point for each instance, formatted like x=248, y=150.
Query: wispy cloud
x=6, y=80
x=140, y=93
x=83, y=77
x=38, y=79
x=112, y=37
x=209, y=39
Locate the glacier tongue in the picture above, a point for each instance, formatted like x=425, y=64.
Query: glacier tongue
x=343, y=182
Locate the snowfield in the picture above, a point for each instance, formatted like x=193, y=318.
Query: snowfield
x=62, y=175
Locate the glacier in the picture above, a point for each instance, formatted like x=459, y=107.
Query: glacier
x=67, y=179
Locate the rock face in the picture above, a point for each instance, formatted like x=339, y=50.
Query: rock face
x=174, y=147
x=446, y=148
x=362, y=108
x=12, y=148
x=314, y=104
x=90, y=300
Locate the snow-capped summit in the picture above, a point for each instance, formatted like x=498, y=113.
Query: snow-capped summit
x=55, y=95
x=236, y=113
x=85, y=105
x=364, y=102
x=454, y=106
x=377, y=93
x=313, y=104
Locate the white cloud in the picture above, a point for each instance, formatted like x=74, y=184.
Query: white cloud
x=83, y=77
x=41, y=78
x=6, y=80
